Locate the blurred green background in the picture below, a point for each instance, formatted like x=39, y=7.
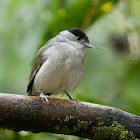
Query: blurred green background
x=112, y=70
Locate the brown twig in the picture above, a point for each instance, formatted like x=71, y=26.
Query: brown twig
x=19, y=112
x=89, y=17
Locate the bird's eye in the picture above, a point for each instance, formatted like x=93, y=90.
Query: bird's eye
x=78, y=38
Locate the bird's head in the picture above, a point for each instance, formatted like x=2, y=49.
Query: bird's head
x=76, y=37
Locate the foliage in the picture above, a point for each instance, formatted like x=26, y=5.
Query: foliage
x=75, y=14
x=110, y=76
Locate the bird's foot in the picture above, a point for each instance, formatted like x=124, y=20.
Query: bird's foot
x=76, y=100
x=43, y=96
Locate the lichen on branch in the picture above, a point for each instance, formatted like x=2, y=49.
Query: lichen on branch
x=83, y=119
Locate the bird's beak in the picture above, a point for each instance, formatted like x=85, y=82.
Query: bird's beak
x=88, y=45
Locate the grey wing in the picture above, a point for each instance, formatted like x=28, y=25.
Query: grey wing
x=39, y=62
x=34, y=71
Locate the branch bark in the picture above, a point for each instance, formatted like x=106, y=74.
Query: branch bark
x=87, y=120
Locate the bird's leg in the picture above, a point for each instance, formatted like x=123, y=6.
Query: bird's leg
x=43, y=96
x=69, y=96
x=77, y=100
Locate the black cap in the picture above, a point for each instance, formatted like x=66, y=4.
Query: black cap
x=79, y=34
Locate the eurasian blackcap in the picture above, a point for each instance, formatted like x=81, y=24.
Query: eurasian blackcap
x=59, y=64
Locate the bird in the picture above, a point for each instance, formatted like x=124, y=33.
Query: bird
x=58, y=68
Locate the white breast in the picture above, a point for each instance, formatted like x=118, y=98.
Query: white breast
x=62, y=71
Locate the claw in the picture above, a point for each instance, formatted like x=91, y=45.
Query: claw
x=44, y=96
x=76, y=100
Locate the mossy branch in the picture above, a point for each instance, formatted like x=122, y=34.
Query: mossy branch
x=87, y=120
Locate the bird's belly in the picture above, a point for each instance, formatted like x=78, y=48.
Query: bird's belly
x=57, y=75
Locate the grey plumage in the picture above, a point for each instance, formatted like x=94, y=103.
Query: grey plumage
x=59, y=64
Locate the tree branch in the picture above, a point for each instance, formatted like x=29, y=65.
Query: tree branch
x=29, y=113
